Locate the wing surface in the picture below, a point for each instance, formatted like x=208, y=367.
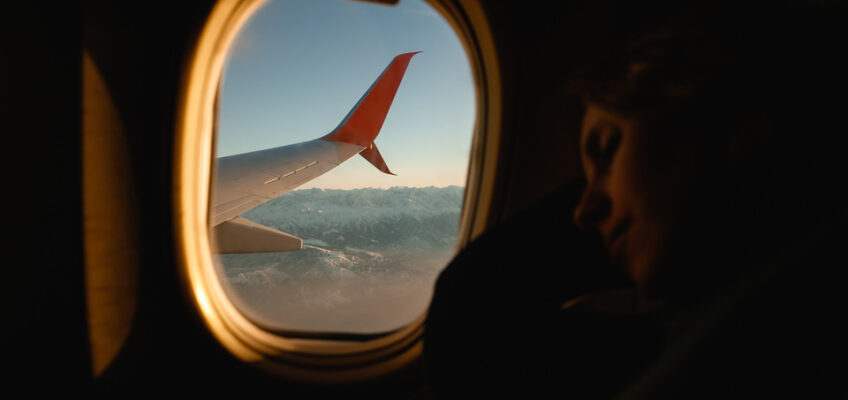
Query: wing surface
x=247, y=180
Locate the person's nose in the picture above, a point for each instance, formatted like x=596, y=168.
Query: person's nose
x=594, y=207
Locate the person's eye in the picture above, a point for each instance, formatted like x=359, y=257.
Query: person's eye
x=608, y=146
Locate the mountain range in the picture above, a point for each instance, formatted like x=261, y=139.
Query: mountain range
x=368, y=263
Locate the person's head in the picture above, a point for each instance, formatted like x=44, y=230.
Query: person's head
x=705, y=142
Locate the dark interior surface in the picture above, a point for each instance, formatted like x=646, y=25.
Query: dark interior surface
x=772, y=332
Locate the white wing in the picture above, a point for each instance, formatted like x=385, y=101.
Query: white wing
x=247, y=180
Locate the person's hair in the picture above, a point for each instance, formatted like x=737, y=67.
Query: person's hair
x=771, y=65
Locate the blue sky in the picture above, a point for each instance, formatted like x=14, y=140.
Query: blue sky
x=298, y=67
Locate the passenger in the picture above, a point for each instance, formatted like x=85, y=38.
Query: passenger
x=713, y=149
x=701, y=149
x=715, y=163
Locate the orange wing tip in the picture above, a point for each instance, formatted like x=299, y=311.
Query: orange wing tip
x=363, y=123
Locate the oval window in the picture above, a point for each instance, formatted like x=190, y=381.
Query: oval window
x=341, y=164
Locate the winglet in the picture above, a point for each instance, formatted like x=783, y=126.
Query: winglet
x=372, y=154
x=365, y=120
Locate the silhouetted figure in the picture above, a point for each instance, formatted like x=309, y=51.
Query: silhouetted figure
x=712, y=145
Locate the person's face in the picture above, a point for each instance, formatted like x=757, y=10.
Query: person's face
x=644, y=195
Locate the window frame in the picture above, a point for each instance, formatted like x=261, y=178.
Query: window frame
x=315, y=358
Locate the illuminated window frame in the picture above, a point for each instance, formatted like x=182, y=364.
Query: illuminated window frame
x=311, y=359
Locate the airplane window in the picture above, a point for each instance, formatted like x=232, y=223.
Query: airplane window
x=344, y=134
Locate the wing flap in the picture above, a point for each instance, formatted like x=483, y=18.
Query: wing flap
x=232, y=208
x=241, y=235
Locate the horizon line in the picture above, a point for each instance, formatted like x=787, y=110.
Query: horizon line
x=382, y=188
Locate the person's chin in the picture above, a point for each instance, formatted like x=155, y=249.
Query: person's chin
x=643, y=271
x=644, y=284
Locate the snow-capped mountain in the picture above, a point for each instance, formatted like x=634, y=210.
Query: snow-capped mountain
x=372, y=219
x=368, y=263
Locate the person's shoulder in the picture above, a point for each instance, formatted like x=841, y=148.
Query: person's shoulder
x=776, y=331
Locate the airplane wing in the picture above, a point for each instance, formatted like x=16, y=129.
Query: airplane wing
x=247, y=180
